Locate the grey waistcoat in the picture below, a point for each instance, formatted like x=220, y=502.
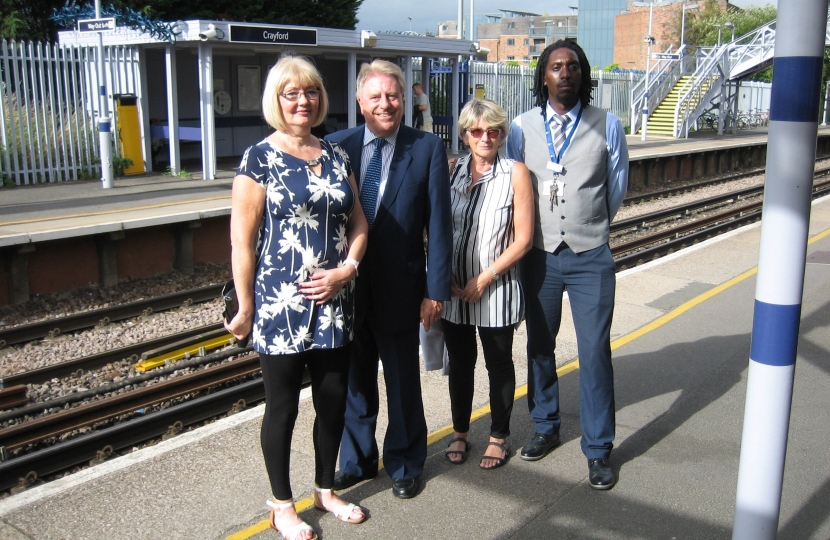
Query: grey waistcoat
x=581, y=217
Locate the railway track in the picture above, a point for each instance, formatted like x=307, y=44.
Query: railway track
x=667, y=241
x=685, y=188
x=86, y=363
x=677, y=190
x=89, y=319
x=19, y=472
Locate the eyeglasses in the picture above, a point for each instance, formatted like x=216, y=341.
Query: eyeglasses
x=478, y=132
x=294, y=95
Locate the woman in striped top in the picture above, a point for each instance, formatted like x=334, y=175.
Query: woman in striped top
x=492, y=208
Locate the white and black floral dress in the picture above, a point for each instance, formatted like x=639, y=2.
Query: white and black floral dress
x=303, y=229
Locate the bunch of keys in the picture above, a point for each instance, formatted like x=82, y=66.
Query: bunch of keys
x=554, y=197
x=555, y=188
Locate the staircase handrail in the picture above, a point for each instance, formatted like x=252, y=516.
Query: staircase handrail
x=752, y=46
x=658, y=86
x=693, y=92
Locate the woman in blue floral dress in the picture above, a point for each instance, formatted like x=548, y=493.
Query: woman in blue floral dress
x=297, y=236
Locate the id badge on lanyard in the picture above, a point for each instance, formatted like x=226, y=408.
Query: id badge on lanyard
x=555, y=188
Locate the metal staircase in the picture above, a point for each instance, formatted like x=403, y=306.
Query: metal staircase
x=662, y=79
x=712, y=86
x=661, y=121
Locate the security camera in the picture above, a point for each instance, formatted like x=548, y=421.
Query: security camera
x=368, y=38
x=209, y=33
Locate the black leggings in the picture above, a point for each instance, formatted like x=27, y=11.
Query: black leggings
x=497, y=344
x=283, y=377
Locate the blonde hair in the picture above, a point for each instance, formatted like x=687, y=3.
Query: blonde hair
x=300, y=71
x=379, y=67
x=486, y=110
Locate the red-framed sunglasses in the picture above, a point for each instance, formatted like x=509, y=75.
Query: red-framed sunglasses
x=478, y=132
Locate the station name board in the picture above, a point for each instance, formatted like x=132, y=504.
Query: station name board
x=269, y=34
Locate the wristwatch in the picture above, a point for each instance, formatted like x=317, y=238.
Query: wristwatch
x=354, y=263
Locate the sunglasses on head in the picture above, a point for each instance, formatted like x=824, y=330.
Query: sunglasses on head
x=478, y=132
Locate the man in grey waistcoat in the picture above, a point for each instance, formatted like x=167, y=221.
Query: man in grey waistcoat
x=578, y=160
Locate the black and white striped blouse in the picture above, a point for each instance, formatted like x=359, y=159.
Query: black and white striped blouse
x=482, y=230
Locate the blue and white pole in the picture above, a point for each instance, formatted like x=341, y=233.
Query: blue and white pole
x=794, y=112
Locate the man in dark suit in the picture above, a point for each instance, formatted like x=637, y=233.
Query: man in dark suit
x=404, y=191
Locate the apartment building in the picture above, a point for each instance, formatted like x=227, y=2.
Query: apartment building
x=521, y=36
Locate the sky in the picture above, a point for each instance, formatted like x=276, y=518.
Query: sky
x=394, y=15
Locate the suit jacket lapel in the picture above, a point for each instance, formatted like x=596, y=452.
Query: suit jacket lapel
x=397, y=172
x=353, y=146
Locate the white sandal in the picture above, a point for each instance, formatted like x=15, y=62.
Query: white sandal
x=343, y=513
x=293, y=532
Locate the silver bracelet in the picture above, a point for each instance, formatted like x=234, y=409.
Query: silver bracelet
x=354, y=263
x=495, y=274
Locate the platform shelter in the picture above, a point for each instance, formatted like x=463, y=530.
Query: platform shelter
x=199, y=94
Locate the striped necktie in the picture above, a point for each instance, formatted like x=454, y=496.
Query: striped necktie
x=371, y=182
x=559, y=132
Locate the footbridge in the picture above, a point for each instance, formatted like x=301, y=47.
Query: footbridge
x=685, y=87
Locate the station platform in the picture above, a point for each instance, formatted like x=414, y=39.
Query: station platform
x=681, y=340
x=31, y=214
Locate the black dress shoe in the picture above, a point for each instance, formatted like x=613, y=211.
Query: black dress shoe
x=539, y=446
x=344, y=480
x=405, y=488
x=600, y=474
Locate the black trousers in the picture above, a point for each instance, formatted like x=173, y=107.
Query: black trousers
x=283, y=377
x=497, y=344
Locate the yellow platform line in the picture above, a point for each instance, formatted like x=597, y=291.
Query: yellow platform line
x=105, y=212
x=573, y=365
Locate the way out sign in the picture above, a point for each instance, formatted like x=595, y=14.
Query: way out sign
x=96, y=25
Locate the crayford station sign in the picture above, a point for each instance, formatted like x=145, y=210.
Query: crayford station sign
x=269, y=34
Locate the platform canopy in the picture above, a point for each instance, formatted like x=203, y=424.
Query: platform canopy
x=222, y=39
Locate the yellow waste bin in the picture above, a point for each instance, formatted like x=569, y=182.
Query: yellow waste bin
x=129, y=132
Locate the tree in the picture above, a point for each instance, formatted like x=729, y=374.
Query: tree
x=325, y=13
x=702, y=29
x=24, y=19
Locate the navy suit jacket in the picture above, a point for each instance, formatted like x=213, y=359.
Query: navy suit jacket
x=396, y=273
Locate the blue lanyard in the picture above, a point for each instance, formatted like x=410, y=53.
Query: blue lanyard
x=553, y=157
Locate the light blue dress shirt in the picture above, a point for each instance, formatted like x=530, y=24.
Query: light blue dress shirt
x=617, y=182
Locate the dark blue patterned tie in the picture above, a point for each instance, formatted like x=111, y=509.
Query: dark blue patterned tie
x=371, y=182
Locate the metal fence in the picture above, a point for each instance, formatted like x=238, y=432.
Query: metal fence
x=48, y=104
x=511, y=87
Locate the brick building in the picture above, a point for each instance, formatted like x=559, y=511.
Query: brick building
x=521, y=36
x=448, y=30
x=631, y=27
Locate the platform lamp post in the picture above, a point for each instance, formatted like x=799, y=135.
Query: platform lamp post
x=799, y=53
x=719, y=34
x=649, y=39
x=472, y=20
x=731, y=25
x=460, y=19
x=104, y=120
x=686, y=7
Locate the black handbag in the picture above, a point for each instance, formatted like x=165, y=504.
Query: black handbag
x=232, y=308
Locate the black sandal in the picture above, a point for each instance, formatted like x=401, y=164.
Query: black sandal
x=499, y=460
x=462, y=453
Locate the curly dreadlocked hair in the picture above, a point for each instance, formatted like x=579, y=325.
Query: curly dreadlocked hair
x=539, y=88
